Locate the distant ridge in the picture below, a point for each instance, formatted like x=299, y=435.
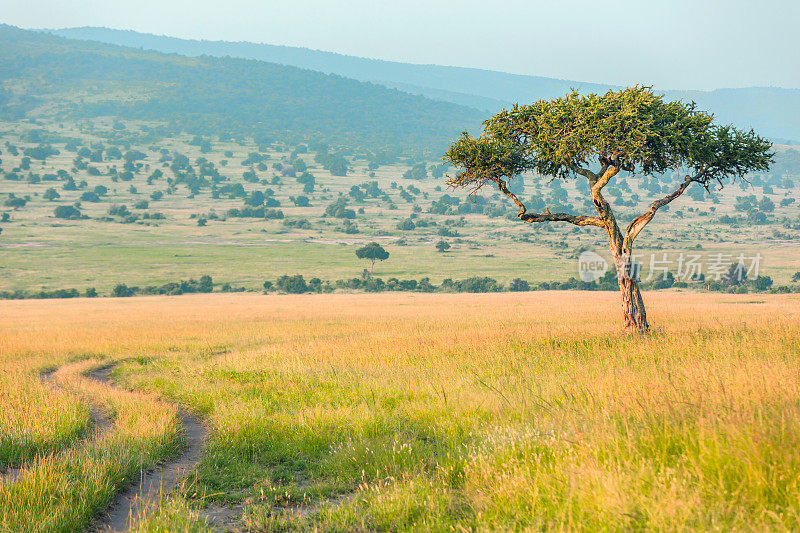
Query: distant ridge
x=485, y=89
x=774, y=112
x=43, y=72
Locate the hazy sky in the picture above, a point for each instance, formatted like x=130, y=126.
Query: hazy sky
x=680, y=44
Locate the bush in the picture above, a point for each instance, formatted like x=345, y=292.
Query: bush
x=15, y=201
x=479, y=284
x=122, y=291
x=90, y=196
x=292, y=284
x=406, y=225
x=762, y=283
x=67, y=212
x=519, y=285
x=119, y=210
x=338, y=209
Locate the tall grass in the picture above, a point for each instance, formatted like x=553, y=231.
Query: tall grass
x=441, y=412
x=34, y=418
x=65, y=491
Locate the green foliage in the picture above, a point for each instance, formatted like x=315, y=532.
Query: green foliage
x=338, y=209
x=336, y=164
x=633, y=129
x=292, y=284
x=68, y=212
x=90, y=196
x=406, y=224
x=41, y=152
x=372, y=251
x=51, y=194
x=416, y=172
x=519, y=285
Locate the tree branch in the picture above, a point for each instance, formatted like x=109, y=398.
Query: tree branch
x=604, y=178
x=586, y=173
x=547, y=216
x=638, y=224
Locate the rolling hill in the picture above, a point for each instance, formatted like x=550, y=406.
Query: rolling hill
x=772, y=111
x=44, y=73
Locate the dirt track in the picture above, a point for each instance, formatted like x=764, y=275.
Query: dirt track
x=131, y=502
x=141, y=496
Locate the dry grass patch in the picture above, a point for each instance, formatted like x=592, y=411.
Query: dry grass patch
x=501, y=411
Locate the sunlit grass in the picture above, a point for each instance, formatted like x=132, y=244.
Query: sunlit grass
x=441, y=412
x=34, y=418
x=63, y=492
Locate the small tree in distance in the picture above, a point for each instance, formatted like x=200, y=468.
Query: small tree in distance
x=595, y=138
x=374, y=252
x=442, y=246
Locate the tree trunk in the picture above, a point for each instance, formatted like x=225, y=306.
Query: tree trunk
x=634, y=315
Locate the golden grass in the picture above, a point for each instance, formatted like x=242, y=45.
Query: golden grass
x=63, y=491
x=501, y=411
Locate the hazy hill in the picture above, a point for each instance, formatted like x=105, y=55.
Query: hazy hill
x=771, y=111
x=486, y=89
x=207, y=95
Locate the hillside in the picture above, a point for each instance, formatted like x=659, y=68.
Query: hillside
x=48, y=74
x=485, y=89
x=772, y=111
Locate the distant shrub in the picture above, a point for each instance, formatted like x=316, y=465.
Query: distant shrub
x=292, y=284
x=519, y=285
x=90, y=196
x=122, y=291
x=338, y=209
x=67, y=212
x=51, y=194
x=406, y=225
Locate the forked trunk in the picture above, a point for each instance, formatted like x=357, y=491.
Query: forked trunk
x=633, y=313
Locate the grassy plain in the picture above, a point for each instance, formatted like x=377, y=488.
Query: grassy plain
x=416, y=411
x=40, y=251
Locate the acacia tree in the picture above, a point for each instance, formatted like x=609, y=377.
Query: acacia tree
x=374, y=252
x=595, y=138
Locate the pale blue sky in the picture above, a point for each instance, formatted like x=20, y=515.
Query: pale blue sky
x=679, y=44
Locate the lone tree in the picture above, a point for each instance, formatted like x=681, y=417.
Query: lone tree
x=595, y=138
x=374, y=252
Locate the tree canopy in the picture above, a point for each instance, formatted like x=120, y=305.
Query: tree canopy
x=372, y=251
x=632, y=129
x=596, y=137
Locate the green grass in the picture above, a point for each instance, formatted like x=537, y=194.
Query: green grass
x=66, y=491
x=36, y=420
x=416, y=412
x=246, y=252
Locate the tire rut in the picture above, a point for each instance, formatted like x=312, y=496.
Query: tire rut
x=144, y=493
x=133, y=501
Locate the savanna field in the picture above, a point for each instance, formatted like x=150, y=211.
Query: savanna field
x=405, y=412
